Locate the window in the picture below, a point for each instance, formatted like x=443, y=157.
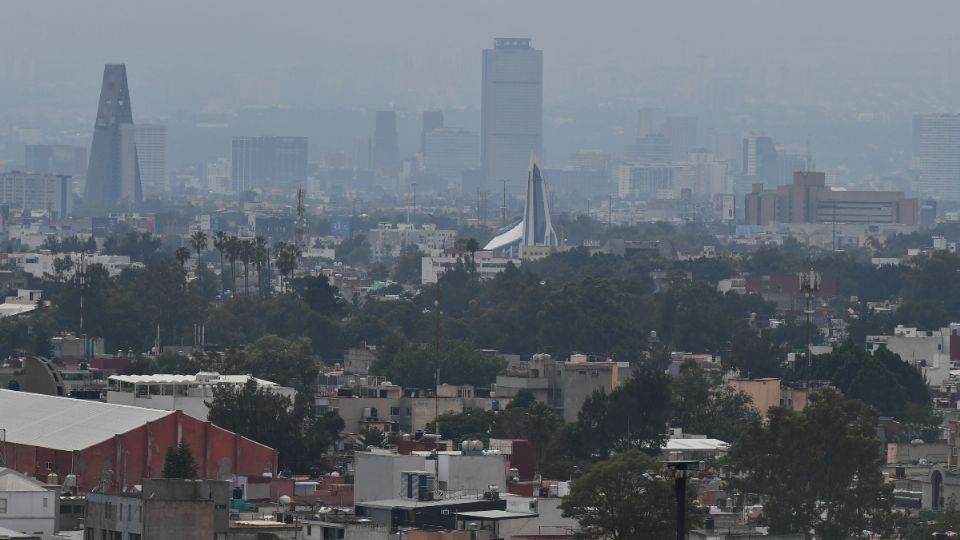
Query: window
x=46, y=502
x=133, y=536
x=3, y=506
x=120, y=517
x=309, y=530
x=408, y=411
x=394, y=411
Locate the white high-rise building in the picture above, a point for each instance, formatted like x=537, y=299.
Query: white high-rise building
x=511, y=110
x=449, y=152
x=152, y=155
x=218, y=176
x=936, y=144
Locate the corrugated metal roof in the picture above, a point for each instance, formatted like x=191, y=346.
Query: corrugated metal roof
x=67, y=424
x=199, y=378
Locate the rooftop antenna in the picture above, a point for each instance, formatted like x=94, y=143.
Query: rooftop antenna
x=809, y=285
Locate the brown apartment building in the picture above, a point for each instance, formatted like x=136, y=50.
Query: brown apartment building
x=809, y=200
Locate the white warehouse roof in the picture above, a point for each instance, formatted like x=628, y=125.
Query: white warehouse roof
x=199, y=378
x=67, y=424
x=703, y=445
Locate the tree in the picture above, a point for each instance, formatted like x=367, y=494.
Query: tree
x=220, y=244
x=370, y=436
x=260, y=260
x=293, y=427
x=179, y=462
x=233, y=248
x=540, y=424
x=623, y=498
x=287, y=257
x=634, y=415
x=182, y=255
x=705, y=406
x=246, y=256
x=818, y=469
x=199, y=242
x=288, y=362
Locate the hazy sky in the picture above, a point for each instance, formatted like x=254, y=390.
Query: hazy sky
x=193, y=55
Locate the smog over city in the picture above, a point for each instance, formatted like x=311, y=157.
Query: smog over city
x=479, y=270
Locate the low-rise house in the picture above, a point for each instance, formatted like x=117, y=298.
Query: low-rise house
x=28, y=506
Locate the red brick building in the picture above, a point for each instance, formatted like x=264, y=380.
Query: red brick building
x=116, y=444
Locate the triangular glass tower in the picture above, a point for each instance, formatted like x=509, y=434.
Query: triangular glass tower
x=113, y=173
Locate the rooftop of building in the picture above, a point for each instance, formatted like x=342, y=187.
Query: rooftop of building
x=11, y=480
x=200, y=378
x=67, y=424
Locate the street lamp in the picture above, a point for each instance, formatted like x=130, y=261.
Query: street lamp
x=680, y=470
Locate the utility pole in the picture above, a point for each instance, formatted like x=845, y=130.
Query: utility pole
x=503, y=208
x=681, y=469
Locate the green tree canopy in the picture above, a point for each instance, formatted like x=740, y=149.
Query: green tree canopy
x=623, y=498
x=818, y=469
x=179, y=462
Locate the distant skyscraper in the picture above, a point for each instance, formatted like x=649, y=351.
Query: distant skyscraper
x=681, y=131
x=431, y=120
x=113, y=174
x=760, y=159
x=55, y=159
x=386, y=149
x=652, y=147
x=28, y=191
x=936, y=147
x=152, y=155
x=449, y=152
x=511, y=115
x=644, y=123
x=269, y=163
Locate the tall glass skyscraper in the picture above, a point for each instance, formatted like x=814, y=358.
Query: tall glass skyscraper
x=936, y=150
x=511, y=111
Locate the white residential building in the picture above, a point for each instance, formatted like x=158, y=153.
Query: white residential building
x=187, y=393
x=41, y=264
x=389, y=240
x=378, y=474
x=26, y=505
x=488, y=265
x=926, y=350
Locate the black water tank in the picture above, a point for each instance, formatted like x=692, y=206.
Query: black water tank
x=708, y=524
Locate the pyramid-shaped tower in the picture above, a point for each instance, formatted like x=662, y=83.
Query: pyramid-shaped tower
x=113, y=172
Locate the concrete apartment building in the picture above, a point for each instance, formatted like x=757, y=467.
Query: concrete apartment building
x=809, y=200
x=377, y=404
x=27, y=505
x=164, y=508
x=487, y=263
x=388, y=240
x=929, y=351
x=564, y=386
x=47, y=192
x=379, y=475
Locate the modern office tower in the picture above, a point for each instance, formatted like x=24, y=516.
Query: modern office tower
x=113, y=174
x=936, y=147
x=431, y=120
x=364, y=148
x=809, y=200
x=511, y=110
x=152, y=155
x=449, y=152
x=652, y=147
x=788, y=164
x=386, y=149
x=681, y=131
x=760, y=159
x=269, y=163
x=55, y=159
x=645, y=180
x=644, y=123
x=30, y=191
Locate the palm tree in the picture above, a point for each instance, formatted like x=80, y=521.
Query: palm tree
x=233, y=253
x=182, y=255
x=220, y=244
x=246, y=255
x=259, y=260
x=287, y=255
x=473, y=247
x=199, y=242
